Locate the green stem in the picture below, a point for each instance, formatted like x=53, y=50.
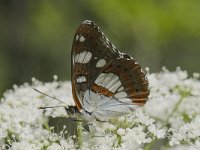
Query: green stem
x=46, y=126
x=150, y=145
x=175, y=109
x=119, y=138
x=79, y=134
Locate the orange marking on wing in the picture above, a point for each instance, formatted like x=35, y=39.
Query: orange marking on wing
x=76, y=100
x=99, y=89
x=141, y=94
x=139, y=101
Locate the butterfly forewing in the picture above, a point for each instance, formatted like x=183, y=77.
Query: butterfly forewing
x=99, y=69
x=90, y=51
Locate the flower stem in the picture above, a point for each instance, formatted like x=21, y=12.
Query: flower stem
x=174, y=109
x=150, y=145
x=79, y=134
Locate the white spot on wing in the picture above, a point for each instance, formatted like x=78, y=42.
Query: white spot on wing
x=87, y=22
x=76, y=57
x=83, y=57
x=125, y=100
x=100, y=78
x=81, y=79
x=101, y=63
x=115, y=86
x=120, y=89
x=82, y=38
x=87, y=57
x=109, y=81
x=121, y=95
x=77, y=37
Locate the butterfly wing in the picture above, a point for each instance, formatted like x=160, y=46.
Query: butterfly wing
x=89, y=46
x=102, y=77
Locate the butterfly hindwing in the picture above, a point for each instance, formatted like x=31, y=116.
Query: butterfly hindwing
x=131, y=86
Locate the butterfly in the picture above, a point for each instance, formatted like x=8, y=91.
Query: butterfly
x=105, y=82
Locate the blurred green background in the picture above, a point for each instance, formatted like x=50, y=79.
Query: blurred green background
x=36, y=36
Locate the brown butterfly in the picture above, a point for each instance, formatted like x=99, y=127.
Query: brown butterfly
x=105, y=82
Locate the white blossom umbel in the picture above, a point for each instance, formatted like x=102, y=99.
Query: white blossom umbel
x=169, y=120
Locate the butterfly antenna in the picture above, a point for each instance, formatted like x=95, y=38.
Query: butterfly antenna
x=46, y=107
x=49, y=96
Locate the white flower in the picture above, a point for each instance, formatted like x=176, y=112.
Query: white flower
x=54, y=146
x=172, y=113
x=184, y=147
x=24, y=145
x=121, y=131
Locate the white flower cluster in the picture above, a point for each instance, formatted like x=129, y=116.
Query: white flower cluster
x=169, y=120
